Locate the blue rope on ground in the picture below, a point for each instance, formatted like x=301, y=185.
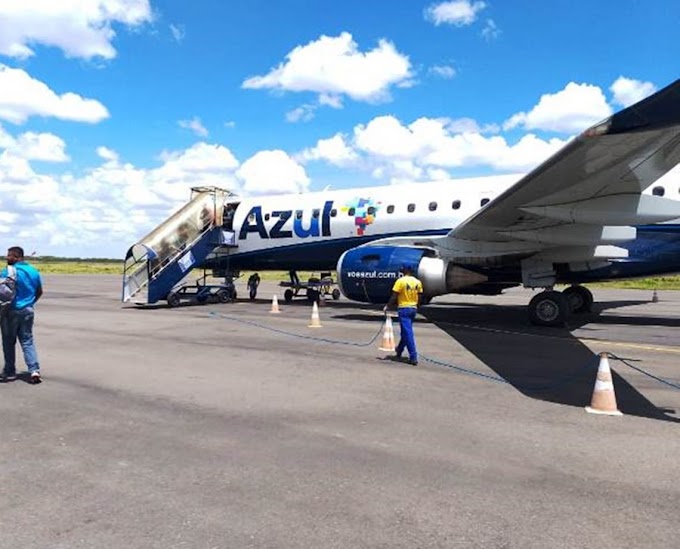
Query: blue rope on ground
x=527, y=388
x=292, y=334
x=660, y=380
x=590, y=365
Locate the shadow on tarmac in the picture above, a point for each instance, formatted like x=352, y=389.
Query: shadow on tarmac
x=559, y=368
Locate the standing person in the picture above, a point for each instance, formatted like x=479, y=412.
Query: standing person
x=406, y=294
x=17, y=318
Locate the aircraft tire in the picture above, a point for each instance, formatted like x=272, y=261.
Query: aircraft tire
x=288, y=295
x=548, y=308
x=173, y=300
x=224, y=296
x=580, y=299
x=336, y=294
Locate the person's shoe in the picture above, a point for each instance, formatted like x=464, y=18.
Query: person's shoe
x=7, y=377
x=35, y=378
x=412, y=362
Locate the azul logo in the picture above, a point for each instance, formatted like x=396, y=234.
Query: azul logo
x=318, y=225
x=365, y=210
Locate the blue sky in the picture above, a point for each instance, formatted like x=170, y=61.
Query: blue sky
x=111, y=110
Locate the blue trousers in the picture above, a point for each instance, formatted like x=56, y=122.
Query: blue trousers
x=18, y=324
x=407, y=339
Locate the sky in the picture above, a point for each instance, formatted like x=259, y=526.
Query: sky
x=111, y=110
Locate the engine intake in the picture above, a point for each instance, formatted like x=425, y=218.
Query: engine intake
x=368, y=273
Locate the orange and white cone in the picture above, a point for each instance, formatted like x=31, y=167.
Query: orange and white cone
x=275, y=305
x=388, y=336
x=316, y=321
x=604, y=399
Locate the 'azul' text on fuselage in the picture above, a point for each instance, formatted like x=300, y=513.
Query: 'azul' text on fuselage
x=303, y=228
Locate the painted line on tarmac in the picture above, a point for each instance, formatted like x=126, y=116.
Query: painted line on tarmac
x=573, y=339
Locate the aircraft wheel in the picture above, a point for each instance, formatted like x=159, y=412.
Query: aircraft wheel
x=549, y=309
x=288, y=295
x=580, y=299
x=336, y=294
x=224, y=296
x=173, y=300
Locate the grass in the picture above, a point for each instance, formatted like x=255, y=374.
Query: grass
x=114, y=267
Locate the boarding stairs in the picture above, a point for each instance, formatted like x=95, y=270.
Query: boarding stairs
x=163, y=258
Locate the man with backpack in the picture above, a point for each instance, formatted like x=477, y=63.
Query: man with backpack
x=17, y=316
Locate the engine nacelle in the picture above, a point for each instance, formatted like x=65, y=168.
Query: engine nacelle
x=368, y=273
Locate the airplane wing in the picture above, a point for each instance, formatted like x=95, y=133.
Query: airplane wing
x=588, y=192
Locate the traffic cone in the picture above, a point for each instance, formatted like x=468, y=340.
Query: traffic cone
x=388, y=336
x=655, y=298
x=275, y=305
x=316, y=322
x=604, y=399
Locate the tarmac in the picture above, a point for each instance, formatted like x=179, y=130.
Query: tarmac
x=227, y=426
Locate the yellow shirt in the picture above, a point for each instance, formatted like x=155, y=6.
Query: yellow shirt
x=407, y=287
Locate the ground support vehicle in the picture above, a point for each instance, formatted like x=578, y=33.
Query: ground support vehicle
x=313, y=289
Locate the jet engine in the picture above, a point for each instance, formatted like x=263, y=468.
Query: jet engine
x=368, y=273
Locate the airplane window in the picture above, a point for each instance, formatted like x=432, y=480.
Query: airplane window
x=370, y=210
x=456, y=204
x=298, y=214
x=484, y=201
x=350, y=212
x=658, y=191
x=334, y=212
x=390, y=208
x=433, y=206
x=315, y=213
x=411, y=208
x=266, y=217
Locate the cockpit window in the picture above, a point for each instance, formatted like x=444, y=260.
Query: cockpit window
x=484, y=201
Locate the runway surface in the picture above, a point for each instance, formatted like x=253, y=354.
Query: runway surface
x=228, y=426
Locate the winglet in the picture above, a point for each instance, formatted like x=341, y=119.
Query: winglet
x=659, y=110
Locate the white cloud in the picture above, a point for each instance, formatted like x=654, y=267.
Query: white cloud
x=303, y=113
x=628, y=91
x=46, y=147
x=458, y=12
x=469, y=125
x=490, y=30
x=110, y=207
x=272, y=172
x=195, y=125
x=40, y=146
x=571, y=110
x=178, y=32
x=334, y=66
x=444, y=71
x=21, y=96
x=107, y=154
x=333, y=150
x=230, y=124
x=427, y=148
x=81, y=28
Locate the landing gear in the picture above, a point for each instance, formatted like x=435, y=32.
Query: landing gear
x=549, y=308
x=580, y=299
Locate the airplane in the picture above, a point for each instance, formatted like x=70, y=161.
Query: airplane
x=591, y=212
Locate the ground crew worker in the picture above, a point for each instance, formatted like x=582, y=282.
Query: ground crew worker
x=406, y=294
